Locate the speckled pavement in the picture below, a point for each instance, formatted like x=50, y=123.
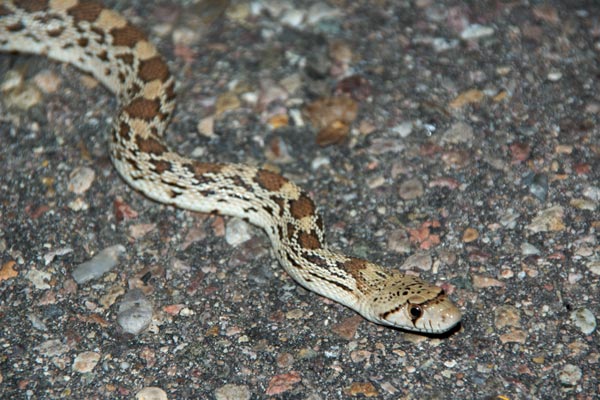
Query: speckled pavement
x=458, y=142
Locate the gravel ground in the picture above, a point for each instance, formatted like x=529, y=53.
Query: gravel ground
x=459, y=142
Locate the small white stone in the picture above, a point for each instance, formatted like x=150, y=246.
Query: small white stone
x=101, y=263
x=12, y=80
x=85, y=362
x=403, y=129
x=39, y=279
x=78, y=204
x=527, y=249
x=237, y=232
x=554, y=76
x=151, y=393
x=293, y=17
x=80, y=180
x=594, y=266
x=476, y=31
x=584, y=319
x=206, y=126
x=570, y=375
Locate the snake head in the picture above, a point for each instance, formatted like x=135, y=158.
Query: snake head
x=412, y=304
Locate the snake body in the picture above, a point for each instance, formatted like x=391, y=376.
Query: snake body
x=101, y=42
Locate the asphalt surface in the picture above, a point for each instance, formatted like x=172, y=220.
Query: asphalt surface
x=466, y=149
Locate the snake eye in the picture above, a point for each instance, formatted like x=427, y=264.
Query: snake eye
x=415, y=312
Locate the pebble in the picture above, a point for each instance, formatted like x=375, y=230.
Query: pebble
x=39, y=279
x=135, y=312
x=539, y=186
x=206, y=126
x=347, y=328
x=320, y=11
x=79, y=204
x=594, y=266
x=51, y=255
x=470, y=235
x=362, y=388
x=550, y=219
x=402, y=130
x=481, y=282
x=85, y=362
x=47, y=81
x=583, y=204
x=332, y=117
x=476, y=31
x=459, y=132
x=13, y=79
x=421, y=260
x=442, y=44
x=111, y=296
x=469, y=97
x=232, y=392
x=554, y=76
x=411, y=189
x=226, y=102
x=23, y=97
x=592, y=193
x=151, y=393
x=507, y=316
x=81, y=180
x=509, y=218
x=237, y=231
x=282, y=383
x=294, y=314
x=101, y=263
x=515, y=336
x=293, y=17
x=570, y=375
x=528, y=249
x=52, y=348
x=585, y=320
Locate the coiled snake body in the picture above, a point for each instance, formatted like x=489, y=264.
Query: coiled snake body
x=101, y=42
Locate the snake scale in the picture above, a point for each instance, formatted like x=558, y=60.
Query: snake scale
x=101, y=42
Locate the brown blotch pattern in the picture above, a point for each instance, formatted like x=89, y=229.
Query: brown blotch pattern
x=32, y=5
x=85, y=11
x=303, y=207
x=126, y=58
x=170, y=91
x=143, y=109
x=281, y=204
x=99, y=33
x=308, y=240
x=291, y=230
x=354, y=266
x=127, y=36
x=82, y=42
x=15, y=27
x=161, y=166
x=150, y=145
x=103, y=55
x=199, y=168
x=4, y=11
x=270, y=180
x=153, y=68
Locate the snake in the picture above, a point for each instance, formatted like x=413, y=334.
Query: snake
x=101, y=42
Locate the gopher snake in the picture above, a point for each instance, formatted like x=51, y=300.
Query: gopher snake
x=101, y=42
